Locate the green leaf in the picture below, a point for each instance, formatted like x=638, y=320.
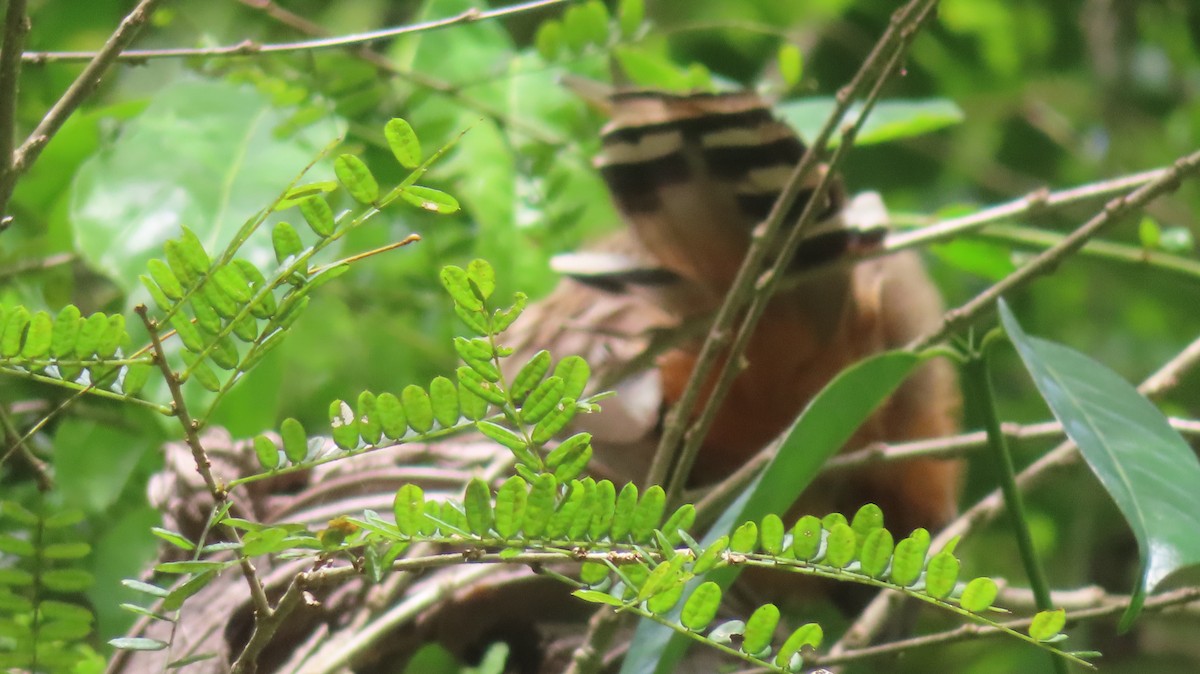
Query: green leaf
x=648, y=514
x=560, y=523
x=744, y=539
x=14, y=332
x=370, y=428
x=477, y=354
x=539, y=507
x=941, y=575
x=530, y=375
x=192, y=250
x=771, y=533
x=978, y=595
x=542, y=400
x=806, y=538
x=295, y=441
x=391, y=416
x=555, y=421
x=409, y=508
x=510, y=506
x=908, y=561
x=430, y=199
x=567, y=449
x=471, y=380
x=443, y=398
x=403, y=142
x=137, y=644
x=809, y=635
x=418, y=408
x=267, y=452
x=503, y=318
x=630, y=14
x=876, y=552
x=681, y=520
x=67, y=580
x=190, y=587
x=596, y=597
x=1149, y=233
x=791, y=65
x=868, y=518
x=840, y=546
x=66, y=332
x=136, y=376
x=574, y=372
x=890, y=120
x=458, y=284
x=1047, y=624
x=1151, y=473
x=549, y=39
x=286, y=241
x=701, y=607
x=483, y=276
x=343, y=424
x=473, y=406
x=179, y=267
x=666, y=599
x=478, y=502
x=318, y=215
x=760, y=627
x=604, y=509
x=165, y=278
x=354, y=175
x=626, y=504
x=711, y=556
x=648, y=69
x=501, y=435
x=39, y=336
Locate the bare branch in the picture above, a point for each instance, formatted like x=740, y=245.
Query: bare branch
x=16, y=27
x=87, y=81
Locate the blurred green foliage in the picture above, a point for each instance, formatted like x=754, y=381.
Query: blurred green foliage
x=1054, y=94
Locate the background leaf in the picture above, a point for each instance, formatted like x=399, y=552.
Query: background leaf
x=1151, y=473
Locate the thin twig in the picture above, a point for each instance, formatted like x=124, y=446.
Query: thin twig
x=767, y=234
x=1050, y=258
x=879, y=611
x=1036, y=203
x=16, y=27
x=48, y=262
x=41, y=472
x=191, y=433
x=1103, y=250
x=251, y=48
x=266, y=628
x=87, y=81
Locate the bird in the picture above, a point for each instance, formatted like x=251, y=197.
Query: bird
x=692, y=175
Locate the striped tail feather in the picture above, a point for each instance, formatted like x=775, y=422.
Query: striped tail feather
x=694, y=174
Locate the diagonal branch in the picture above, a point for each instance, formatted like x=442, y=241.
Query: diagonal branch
x=87, y=81
x=877, y=68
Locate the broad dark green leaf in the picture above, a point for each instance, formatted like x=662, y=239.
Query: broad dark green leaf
x=1148, y=469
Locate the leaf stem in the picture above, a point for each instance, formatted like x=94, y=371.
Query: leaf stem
x=978, y=382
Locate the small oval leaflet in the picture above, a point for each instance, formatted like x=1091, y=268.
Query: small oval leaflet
x=343, y=424
x=941, y=575
x=759, y=629
x=430, y=199
x=701, y=607
x=403, y=142
x=1047, y=624
x=352, y=173
x=418, y=408
x=978, y=595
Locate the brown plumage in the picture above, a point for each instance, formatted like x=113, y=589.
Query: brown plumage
x=692, y=175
